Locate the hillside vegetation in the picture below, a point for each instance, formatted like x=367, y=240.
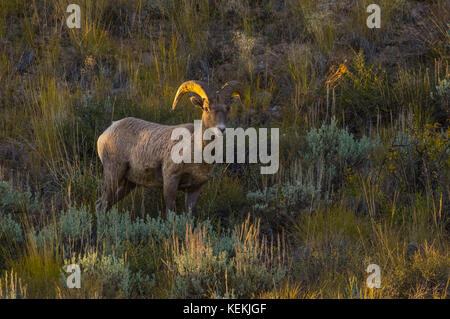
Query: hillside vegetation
x=364, y=149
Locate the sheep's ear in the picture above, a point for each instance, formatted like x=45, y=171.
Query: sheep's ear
x=234, y=100
x=197, y=101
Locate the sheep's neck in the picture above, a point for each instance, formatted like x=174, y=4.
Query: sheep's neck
x=205, y=142
x=199, y=142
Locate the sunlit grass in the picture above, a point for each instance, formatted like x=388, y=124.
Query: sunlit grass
x=60, y=88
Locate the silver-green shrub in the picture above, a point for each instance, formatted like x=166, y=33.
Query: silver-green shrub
x=16, y=201
x=73, y=226
x=286, y=197
x=442, y=90
x=200, y=275
x=244, y=270
x=115, y=228
x=219, y=275
x=318, y=170
x=12, y=201
x=338, y=150
x=110, y=272
x=9, y=228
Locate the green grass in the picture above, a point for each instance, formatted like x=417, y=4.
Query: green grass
x=61, y=88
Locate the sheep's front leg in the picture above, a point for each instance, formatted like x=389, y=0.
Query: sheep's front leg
x=191, y=200
x=170, y=192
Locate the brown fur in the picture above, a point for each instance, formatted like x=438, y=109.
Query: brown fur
x=136, y=152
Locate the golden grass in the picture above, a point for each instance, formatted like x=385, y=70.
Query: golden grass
x=80, y=80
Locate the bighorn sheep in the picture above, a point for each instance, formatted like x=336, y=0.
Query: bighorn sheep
x=136, y=152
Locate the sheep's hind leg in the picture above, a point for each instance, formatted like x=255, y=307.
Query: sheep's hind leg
x=125, y=188
x=190, y=200
x=113, y=179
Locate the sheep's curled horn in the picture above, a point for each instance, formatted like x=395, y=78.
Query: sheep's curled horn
x=225, y=94
x=230, y=90
x=200, y=88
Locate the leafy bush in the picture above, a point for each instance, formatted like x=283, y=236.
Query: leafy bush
x=72, y=229
x=320, y=169
x=442, y=97
x=442, y=90
x=109, y=272
x=364, y=93
x=115, y=228
x=12, y=201
x=419, y=159
x=197, y=269
x=338, y=150
x=251, y=267
x=16, y=201
x=10, y=229
x=284, y=197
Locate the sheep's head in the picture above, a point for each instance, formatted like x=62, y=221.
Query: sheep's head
x=215, y=104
